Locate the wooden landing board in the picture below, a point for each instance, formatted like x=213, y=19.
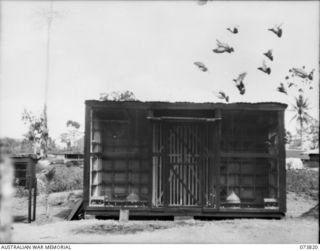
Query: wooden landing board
x=77, y=207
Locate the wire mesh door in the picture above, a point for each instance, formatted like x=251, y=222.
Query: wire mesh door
x=180, y=164
x=185, y=163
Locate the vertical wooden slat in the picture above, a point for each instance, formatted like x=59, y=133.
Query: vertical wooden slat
x=154, y=167
x=193, y=168
x=181, y=166
x=216, y=166
x=161, y=163
x=175, y=181
x=178, y=165
x=166, y=163
x=185, y=167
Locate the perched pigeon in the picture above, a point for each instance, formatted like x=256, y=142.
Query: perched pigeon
x=264, y=68
x=239, y=83
x=302, y=73
x=272, y=139
x=277, y=30
x=269, y=55
x=223, y=47
x=282, y=89
x=222, y=95
x=233, y=30
x=201, y=66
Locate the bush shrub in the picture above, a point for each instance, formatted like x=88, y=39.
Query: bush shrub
x=66, y=178
x=303, y=182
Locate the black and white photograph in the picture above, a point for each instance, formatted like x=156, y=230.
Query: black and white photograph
x=159, y=122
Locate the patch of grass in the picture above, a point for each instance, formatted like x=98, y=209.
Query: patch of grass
x=303, y=182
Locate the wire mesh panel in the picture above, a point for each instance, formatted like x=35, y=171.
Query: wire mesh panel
x=118, y=159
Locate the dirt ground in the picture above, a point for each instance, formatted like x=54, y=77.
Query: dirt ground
x=291, y=229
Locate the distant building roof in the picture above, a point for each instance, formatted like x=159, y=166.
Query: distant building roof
x=314, y=151
x=64, y=152
x=24, y=155
x=294, y=153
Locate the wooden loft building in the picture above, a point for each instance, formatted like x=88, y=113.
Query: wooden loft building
x=195, y=159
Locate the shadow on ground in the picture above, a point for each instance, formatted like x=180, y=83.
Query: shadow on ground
x=132, y=228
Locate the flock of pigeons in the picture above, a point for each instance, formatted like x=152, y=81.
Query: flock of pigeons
x=239, y=84
x=297, y=72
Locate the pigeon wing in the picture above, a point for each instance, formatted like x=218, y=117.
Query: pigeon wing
x=242, y=76
x=222, y=44
x=199, y=64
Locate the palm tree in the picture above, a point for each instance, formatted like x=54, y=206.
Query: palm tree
x=301, y=107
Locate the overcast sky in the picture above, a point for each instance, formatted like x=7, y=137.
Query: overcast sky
x=148, y=47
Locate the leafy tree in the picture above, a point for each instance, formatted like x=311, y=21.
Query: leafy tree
x=301, y=107
x=14, y=146
x=74, y=124
x=37, y=133
x=311, y=139
x=288, y=137
x=72, y=136
x=118, y=96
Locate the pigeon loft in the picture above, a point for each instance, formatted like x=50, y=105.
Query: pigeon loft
x=184, y=159
x=25, y=177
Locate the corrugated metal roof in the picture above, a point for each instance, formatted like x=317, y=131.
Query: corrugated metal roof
x=187, y=102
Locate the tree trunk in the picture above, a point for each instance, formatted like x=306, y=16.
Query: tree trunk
x=301, y=136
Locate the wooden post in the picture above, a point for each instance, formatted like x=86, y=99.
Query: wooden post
x=150, y=159
x=282, y=162
x=124, y=215
x=30, y=197
x=87, y=159
x=34, y=200
x=6, y=194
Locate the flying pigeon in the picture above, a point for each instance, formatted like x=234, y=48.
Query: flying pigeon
x=282, y=89
x=300, y=90
x=239, y=83
x=223, y=47
x=265, y=68
x=222, y=95
x=202, y=2
x=269, y=55
x=302, y=73
x=291, y=84
x=287, y=77
x=234, y=29
x=276, y=30
x=201, y=66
